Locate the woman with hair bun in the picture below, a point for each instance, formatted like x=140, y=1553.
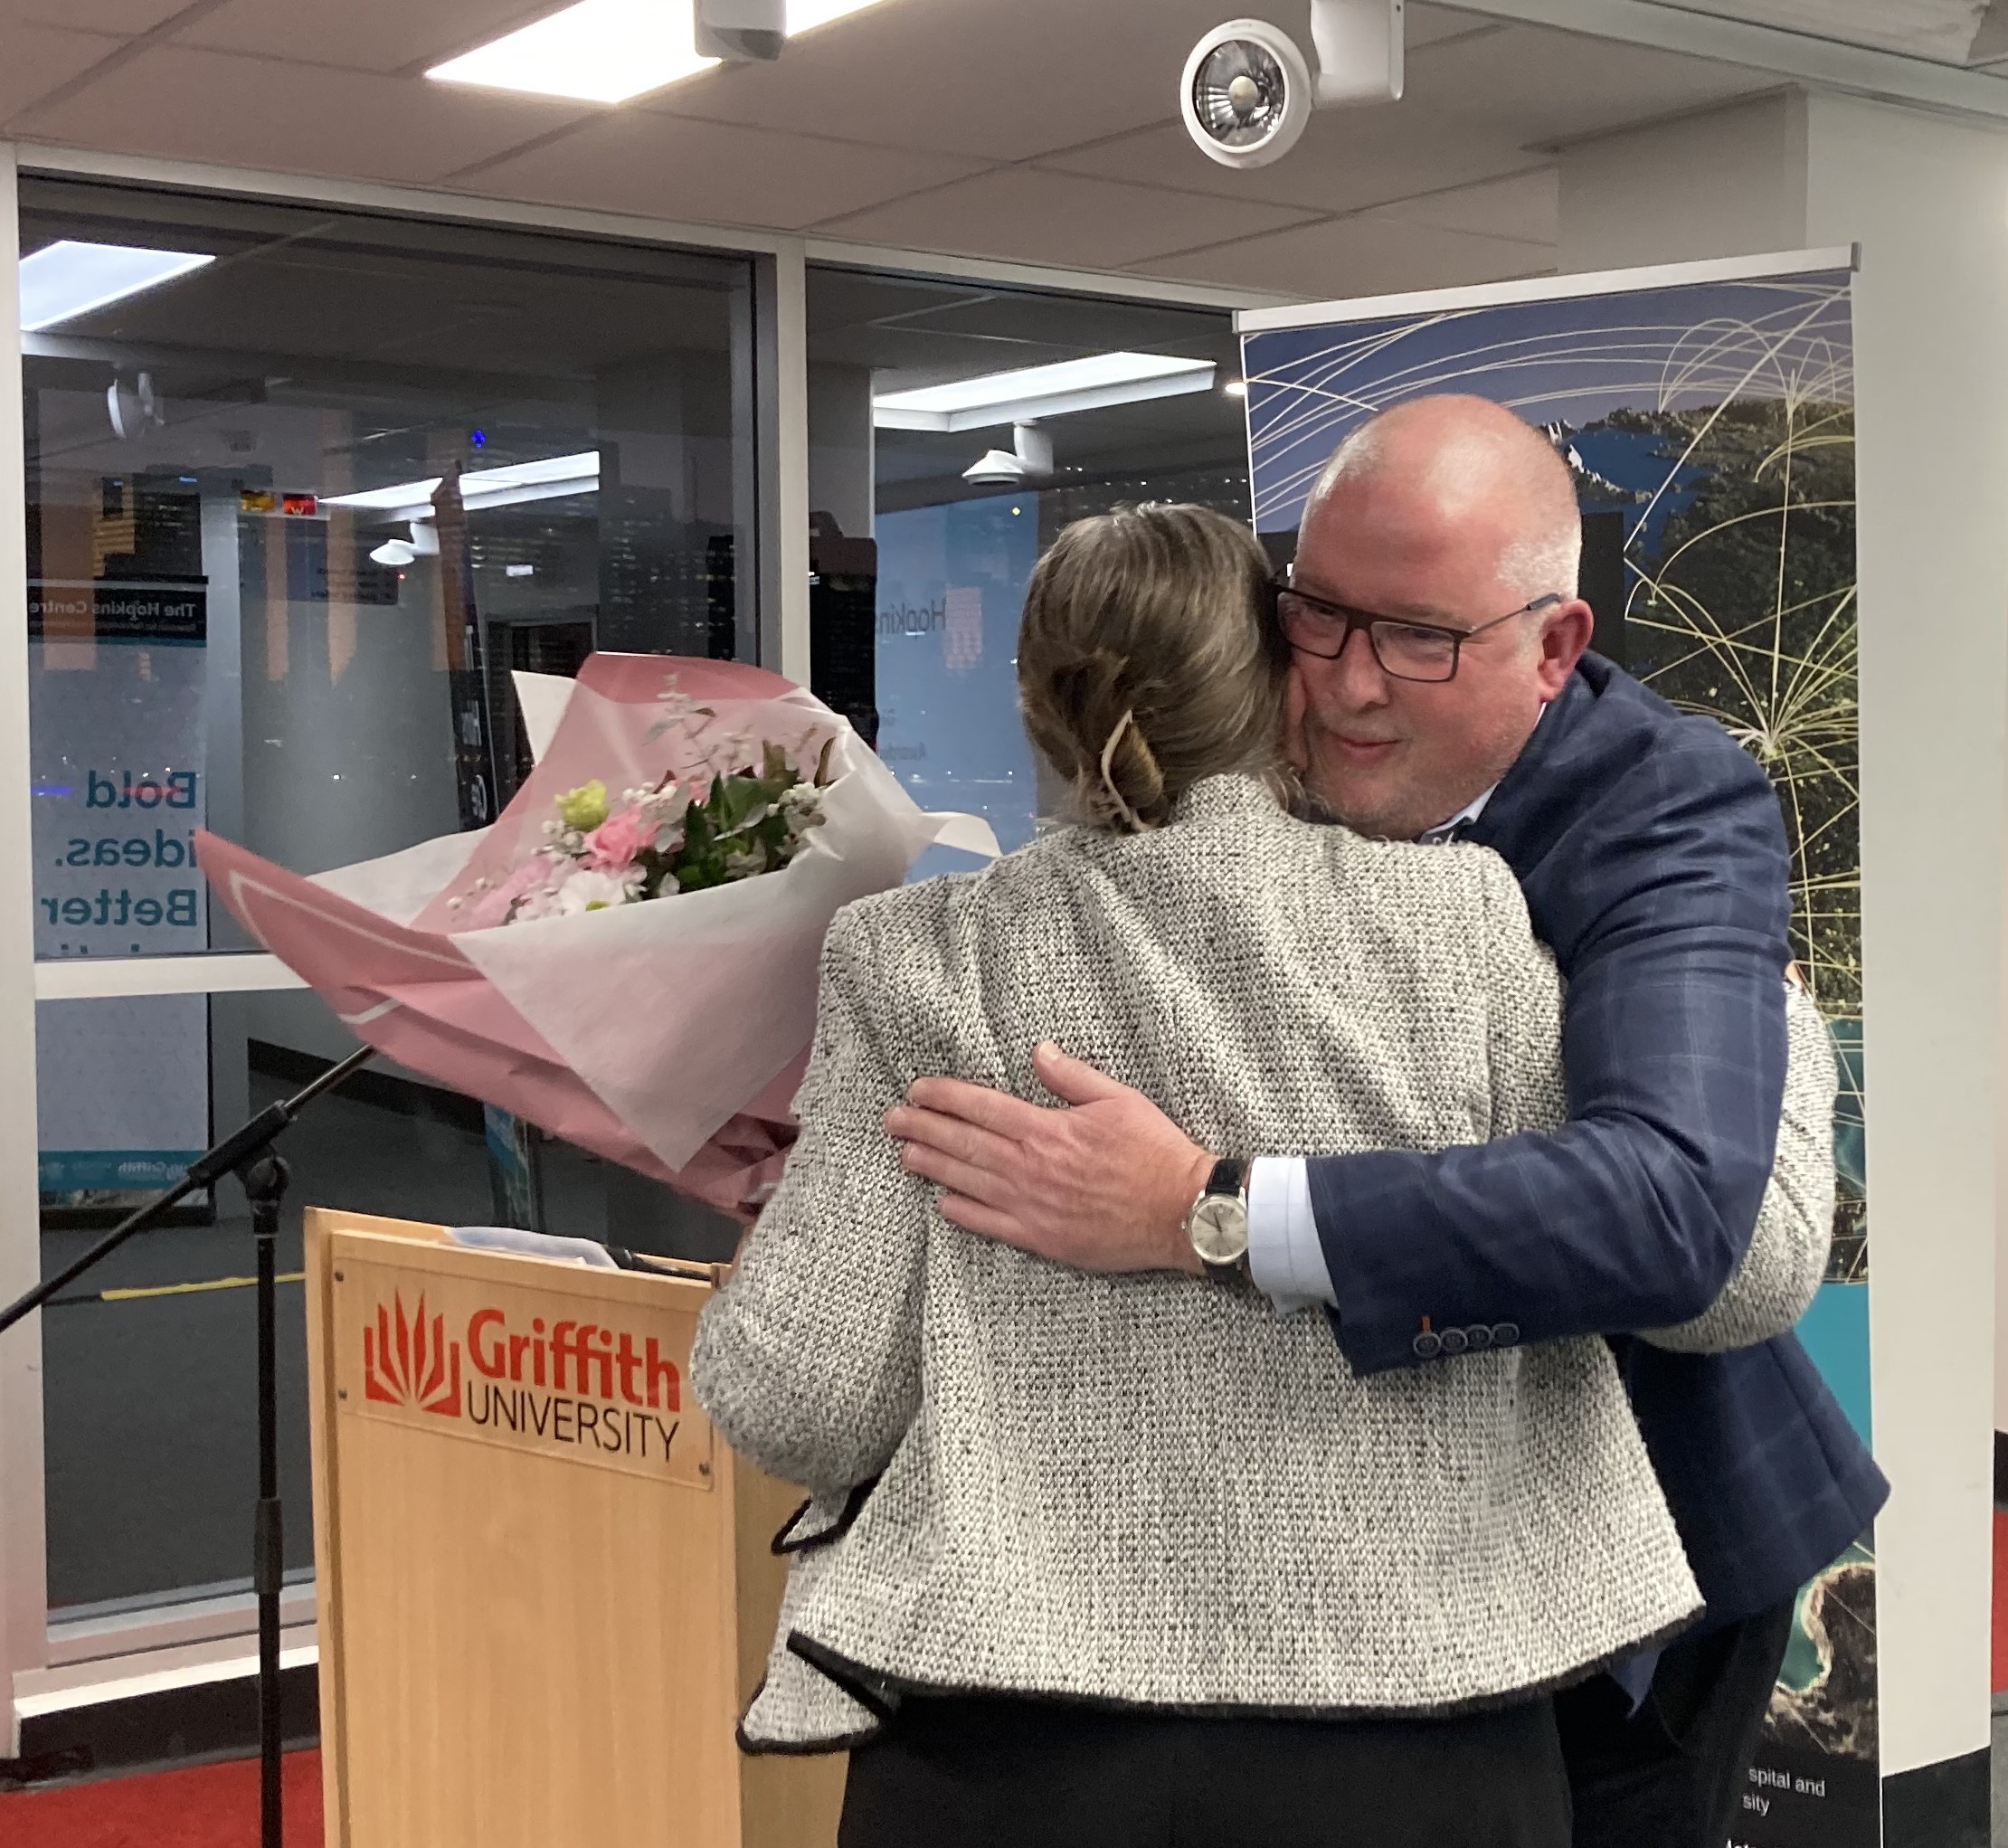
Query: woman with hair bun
x=1134, y=1560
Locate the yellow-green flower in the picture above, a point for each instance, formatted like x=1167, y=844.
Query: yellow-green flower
x=585, y=807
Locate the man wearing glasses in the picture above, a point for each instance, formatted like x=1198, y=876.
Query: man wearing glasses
x=1442, y=687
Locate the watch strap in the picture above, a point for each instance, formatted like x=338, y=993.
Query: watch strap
x=1230, y=1176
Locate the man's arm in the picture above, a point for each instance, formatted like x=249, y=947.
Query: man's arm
x=1663, y=897
x=1786, y=1263
x=1659, y=880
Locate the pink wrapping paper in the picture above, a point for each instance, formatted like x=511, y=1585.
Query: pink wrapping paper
x=669, y=1036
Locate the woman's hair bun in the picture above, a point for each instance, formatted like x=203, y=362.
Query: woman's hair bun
x=1147, y=659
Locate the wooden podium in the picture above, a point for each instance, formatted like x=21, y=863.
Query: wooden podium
x=546, y=1589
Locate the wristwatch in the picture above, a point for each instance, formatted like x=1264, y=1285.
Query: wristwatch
x=1217, y=1221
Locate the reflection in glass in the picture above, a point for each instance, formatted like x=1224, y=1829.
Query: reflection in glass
x=149, y=1405
x=954, y=430
x=304, y=486
x=295, y=511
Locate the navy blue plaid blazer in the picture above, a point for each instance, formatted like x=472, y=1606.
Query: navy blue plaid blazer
x=1653, y=859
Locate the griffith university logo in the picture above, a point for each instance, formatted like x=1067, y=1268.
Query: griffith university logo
x=409, y=1361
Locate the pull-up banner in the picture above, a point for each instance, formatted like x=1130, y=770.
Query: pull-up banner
x=1708, y=415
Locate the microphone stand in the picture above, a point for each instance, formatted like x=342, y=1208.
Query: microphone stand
x=247, y=1154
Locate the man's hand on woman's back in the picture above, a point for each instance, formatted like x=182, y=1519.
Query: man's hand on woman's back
x=1101, y=1184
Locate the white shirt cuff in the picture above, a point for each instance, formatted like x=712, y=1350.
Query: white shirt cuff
x=1284, y=1256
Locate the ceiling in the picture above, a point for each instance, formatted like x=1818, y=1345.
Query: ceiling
x=1042, y=132
x=1954, y=32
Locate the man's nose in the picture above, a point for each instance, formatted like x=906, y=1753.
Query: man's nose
x=1357, y=675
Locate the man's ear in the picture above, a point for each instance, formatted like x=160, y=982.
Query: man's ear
x=1565, y=634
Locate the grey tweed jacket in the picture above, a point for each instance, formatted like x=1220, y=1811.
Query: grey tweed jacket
x=1152, y=1489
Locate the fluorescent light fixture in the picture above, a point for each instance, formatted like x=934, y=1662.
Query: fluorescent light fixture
x=65, y=280
x=599, y=50
x=1042, y=391
x=607, y=51
x=546, y=480
x=806, y=15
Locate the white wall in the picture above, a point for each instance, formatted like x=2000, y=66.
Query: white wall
x=1729, y=183
x=1927, y=198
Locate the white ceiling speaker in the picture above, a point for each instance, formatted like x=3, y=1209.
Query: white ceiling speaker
x=1247, y=91
x=741, y=31
x=1029, y=458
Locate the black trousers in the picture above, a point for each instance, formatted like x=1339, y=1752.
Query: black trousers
x=1671, y=1776
x=956, y=1773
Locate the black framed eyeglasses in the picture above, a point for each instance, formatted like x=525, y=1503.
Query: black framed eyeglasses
x=1406, y=650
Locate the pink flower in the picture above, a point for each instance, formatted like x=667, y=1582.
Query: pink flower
x=617, y=840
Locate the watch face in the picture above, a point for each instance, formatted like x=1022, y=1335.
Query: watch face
x=1220, y=1228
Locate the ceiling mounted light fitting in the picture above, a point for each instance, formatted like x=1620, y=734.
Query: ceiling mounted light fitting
x=597, y=50
x=609, y=51
x=1247, y=91
x=549, y=478
x=1035, y=392
x=67, y=277
x=1028, y=458
x=741, y=31
x=133, y=408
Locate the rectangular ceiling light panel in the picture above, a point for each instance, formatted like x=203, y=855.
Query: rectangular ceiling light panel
x=65, y=280
x=607, y=51
x=548, y=479
x=599, y=50
x=1042, y=391
x=805, y=15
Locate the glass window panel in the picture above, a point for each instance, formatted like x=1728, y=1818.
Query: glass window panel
x=295, y=513
x=150, y=1363
x=921, y=539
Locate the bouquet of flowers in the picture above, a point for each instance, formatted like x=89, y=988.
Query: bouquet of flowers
x=635, y=972
x=682, y=834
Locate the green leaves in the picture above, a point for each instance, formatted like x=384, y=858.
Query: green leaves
x=742, y=829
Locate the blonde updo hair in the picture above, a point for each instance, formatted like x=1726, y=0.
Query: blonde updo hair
x=1147, y=661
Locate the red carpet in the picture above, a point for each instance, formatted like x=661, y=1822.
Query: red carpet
x=207, y=1807
x=2000, y=1600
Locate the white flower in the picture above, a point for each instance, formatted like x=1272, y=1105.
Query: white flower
x=744, y=866
x=540, y=901
x=665, y=805
x=589, y=889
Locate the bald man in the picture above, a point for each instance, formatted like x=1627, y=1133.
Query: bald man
x=1441, y=688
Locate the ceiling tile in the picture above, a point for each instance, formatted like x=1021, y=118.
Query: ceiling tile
x=1001, y=82
x=1526, y=208
x=1347, y=158
x=1927, y=28
x=41, y=57
x=1541, y=86
x=710, y=172
x=1040, y=217
x=1428, y=25
x=365, y=34
x=293, y=118
x=1366, y=255
x=123, y=17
